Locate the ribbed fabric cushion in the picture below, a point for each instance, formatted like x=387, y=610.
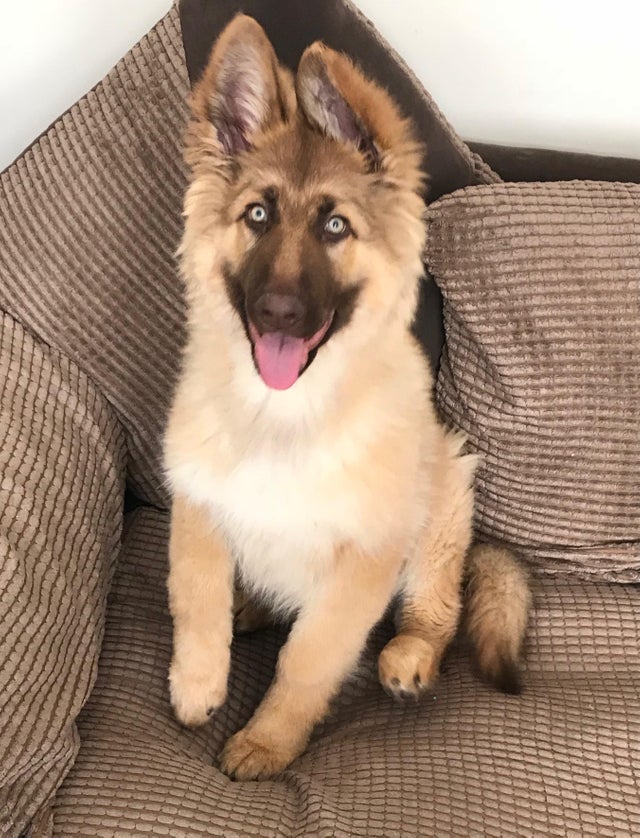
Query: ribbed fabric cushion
x=560, y=760
x=61, y=484
x=542, y=368
x=91, y=218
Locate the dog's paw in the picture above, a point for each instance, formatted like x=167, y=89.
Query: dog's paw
x=407, y=667
x=197, y=694
x=248, y=756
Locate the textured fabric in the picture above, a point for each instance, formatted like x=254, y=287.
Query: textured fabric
x=61, y=484
x=561, y=760
x=91, y=218
x=542, y=368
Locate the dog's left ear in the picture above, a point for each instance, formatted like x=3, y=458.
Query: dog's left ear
x=338, y=99
x=242, y=93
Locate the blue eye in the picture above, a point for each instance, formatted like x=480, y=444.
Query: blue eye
x=256, y=215
x=336, y=225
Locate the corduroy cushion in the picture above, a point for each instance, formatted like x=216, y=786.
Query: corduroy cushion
x=541, y=284
x=91, y=219
x=61, y=485
x=561, y=760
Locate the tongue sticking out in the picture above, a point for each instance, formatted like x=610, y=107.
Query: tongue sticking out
x=281, y=358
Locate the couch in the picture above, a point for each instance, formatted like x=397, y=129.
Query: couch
x=90, y=338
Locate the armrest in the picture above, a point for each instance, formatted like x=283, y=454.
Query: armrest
x=534, y=164
x=62, y=458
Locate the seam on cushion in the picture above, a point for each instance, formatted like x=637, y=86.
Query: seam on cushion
x=54, y=351
x=107, y=404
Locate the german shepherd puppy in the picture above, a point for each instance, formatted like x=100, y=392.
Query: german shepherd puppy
x=303, y=450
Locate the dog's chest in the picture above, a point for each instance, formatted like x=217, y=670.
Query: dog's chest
x=283, y=517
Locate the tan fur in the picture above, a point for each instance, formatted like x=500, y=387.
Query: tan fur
x=200, y=586
x=498, y=601
x=307, y=677
x=328, y=498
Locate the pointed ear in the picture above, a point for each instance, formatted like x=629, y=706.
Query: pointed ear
x=339, y=100
x=243, y=90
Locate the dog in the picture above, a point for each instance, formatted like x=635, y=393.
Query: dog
x=303, y=450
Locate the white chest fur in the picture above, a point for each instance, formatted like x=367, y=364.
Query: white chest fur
x=283, y=513
x=283, y=522
x=288, y=479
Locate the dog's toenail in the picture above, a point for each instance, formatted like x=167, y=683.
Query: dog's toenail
x=211, y=711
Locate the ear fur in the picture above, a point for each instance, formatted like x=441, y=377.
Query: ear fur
x=243, y=90
x=339, y=100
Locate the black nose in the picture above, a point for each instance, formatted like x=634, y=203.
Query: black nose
x=278, y=312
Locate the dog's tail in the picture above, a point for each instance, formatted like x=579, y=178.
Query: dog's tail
x=498, y=600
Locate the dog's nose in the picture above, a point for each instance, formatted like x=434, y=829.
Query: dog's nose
x=278, y=312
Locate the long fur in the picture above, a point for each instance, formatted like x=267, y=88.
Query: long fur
x=328, y=499
x=497, y=605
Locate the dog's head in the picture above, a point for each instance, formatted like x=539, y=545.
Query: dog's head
x=304, y=212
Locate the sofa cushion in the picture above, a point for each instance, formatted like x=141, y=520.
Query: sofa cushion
x=61, y=485
x=559, y=760
x=541, y=284
x=91, y=221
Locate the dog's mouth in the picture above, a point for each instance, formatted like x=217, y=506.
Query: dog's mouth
x=280, y=358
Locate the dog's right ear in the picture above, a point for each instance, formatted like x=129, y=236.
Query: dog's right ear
x=243, y=91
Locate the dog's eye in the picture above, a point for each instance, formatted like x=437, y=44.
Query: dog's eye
x=337, y=227
x=256, y=216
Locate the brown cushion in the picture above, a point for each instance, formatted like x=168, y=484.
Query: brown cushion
x=542, y=368
x=61, y=484
x=91, y=218
x=559, y=760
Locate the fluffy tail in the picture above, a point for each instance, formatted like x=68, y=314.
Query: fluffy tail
x=498, y=600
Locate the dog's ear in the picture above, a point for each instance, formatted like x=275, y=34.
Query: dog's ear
x=243, y=90
x=339, y=100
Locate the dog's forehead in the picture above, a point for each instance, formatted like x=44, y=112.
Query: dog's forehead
x=303, y=167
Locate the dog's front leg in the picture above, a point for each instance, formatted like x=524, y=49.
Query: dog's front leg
x=200, y=599
x=322, y=649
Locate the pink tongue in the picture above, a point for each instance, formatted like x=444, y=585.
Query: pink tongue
x=280, y=359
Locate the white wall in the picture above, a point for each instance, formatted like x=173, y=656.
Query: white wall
x=551, y=73
x=548, y=73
